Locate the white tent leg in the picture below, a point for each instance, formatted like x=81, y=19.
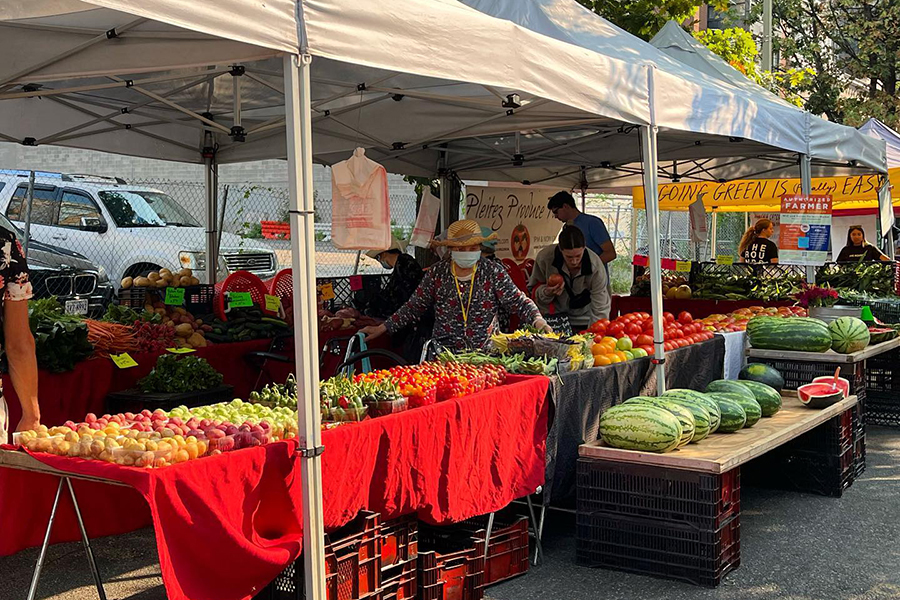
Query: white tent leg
x=651, y=201
x=806, y=189
x=212, y=238
x=303, y=252
x=886, y=216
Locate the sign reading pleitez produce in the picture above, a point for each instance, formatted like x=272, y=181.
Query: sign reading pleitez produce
x=519, y=216
x=805, y=229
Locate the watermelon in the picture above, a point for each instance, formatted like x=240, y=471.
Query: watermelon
x=769, y=400
x=640, y=427
x=734, y=417
x=730, y=387
x=878, y=335
x=792, y=333
x=820, y=395
x=848, y=335
x=751, y=407
x=685, y=417
x=764, y=374
x=700, y=414
x=700, y=399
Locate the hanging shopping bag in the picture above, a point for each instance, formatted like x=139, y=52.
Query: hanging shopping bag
x=360, y=212
x=426, y=221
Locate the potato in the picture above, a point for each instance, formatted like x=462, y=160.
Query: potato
x=195, y=281
x=184, y=330
x=127, y=282
x=185, y=281
x=163, y=272
x=142, y=282
x=160, y=311
x=181, y=310
x=197, y=341
x=160, y=283
x=153, y=276
x=185, y=273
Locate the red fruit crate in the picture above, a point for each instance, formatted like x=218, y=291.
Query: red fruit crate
x=399, y=541
x=451, y=569
x=400, y=582
x=352, y=565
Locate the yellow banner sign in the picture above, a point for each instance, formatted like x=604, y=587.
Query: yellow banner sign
x=859, y=191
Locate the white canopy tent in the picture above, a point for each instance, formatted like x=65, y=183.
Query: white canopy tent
x=424, y=85
x=878, y=130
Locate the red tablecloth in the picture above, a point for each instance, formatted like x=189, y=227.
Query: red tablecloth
x=698, y=308
x=226, y=525
x=74, y=394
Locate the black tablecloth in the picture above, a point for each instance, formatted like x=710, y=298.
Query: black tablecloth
x=579, y=398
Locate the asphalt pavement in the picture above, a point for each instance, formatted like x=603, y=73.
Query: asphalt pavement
x=793, y=547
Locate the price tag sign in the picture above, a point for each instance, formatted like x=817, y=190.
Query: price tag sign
x=180, y=350
x=273, y=303
x=724, y=259
x=174, y=296
x=683, y=266
x=240, y=300
x=123, y=361
x=668, y=264
x=327, y=291
x=356, y=283
x=640, y=260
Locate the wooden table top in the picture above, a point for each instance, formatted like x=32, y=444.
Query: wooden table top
x=831, y=356
x=721, y=452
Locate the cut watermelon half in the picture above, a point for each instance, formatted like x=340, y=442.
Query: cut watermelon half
x=842, y=384
x=820, y=395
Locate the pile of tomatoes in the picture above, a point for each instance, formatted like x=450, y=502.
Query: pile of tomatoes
x=637, y=328
x=435, y=382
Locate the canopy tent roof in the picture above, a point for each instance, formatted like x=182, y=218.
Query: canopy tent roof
x=876, y=129
x=154, y=78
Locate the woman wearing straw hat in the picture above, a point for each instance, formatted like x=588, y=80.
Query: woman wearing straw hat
x=466, y=293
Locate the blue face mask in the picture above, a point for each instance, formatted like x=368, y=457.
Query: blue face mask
x=465, y=260
x=384, y=264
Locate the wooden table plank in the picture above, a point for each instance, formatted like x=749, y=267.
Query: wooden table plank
x=18, y=459
x=721, y=452
x=831, y=356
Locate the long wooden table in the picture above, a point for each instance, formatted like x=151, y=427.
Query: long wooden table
x=677, y=515
x=721, y=453
x=829, y=357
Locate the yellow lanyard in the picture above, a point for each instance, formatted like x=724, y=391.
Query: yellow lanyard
x=464, y=309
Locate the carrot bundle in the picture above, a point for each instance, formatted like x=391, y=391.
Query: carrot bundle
x=111, y=338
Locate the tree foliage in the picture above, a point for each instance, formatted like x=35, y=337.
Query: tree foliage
x=854, y=49
x=644, y=18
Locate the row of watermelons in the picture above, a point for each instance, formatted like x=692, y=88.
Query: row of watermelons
x=680, y=417
x=844, y=335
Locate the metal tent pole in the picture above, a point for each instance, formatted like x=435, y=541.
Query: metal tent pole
x=886, y=207
x=651, y=200
x=303, y=253
x=29, y=195
x=212, y=237
x=806, y=189
x=713, y=235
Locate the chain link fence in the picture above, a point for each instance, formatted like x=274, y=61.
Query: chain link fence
x=675, y=240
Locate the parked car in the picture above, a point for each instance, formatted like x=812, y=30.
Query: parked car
x=80, y=286
x=129, y=230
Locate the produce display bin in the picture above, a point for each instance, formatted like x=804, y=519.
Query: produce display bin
x=134, y=400
x=399, y=541
x=450, y=568
x=797, y=372
x=400, y=582
x=352, y=565
x=883, y=389
x=198, y=299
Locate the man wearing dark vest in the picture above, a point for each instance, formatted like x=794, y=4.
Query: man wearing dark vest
x=569, y=278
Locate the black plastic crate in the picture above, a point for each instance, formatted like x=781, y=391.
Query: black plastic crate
x=399, y=541
x=883, y=376
x=797, y=373
x=679, y=551
x=134, y=400
x=198, y=299
x=352, y=565
x=449, y=567
x=883, y=409
x=886, y=310
x=859, y=456
x=804, y=470
x=831, y=438
x=673, y=495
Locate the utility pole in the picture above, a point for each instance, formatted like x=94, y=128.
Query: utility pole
x=767, y=36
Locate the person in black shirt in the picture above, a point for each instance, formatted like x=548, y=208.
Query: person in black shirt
x=858, y=249
x=405, y=277
x=756, y=247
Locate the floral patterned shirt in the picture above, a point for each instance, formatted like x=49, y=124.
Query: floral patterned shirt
x=14, y=279
x=493, y=289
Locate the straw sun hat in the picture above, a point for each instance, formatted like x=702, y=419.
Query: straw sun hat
x=464, y=233
x=396, y=244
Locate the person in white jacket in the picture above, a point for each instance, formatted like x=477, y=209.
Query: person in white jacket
x=569, y=278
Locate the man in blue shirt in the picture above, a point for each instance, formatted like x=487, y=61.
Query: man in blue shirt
x=596, y=237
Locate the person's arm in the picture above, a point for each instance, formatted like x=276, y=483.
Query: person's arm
x=774, y=248
x=514, y=301
x=600, y=300
x=543, y=293
x=19, y=345
x=602, y=237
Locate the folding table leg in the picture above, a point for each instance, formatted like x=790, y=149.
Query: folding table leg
x=32, y=590
x=487, y=538
x=87, y=544
x=538, y=550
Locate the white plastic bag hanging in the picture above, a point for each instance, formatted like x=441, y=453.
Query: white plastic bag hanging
x=426, y=221
x=361, y=216
x=697, y=211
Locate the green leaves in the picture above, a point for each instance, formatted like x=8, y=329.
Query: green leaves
x=175, y=375
x=61, y=340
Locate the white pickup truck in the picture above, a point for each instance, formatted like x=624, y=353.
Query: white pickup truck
x=128, y=229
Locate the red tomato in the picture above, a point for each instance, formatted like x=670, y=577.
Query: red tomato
x=633, y=328
x=668, y=317
x=616, y=330
x=668, y=346
x=603, y=322
x=599, y=329
x=634, y=338
x=685, y=317
x=644, y=315
x=644, y=340
x=648, y=348
x=598, y=338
